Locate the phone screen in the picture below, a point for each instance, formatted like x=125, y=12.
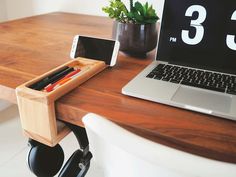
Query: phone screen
x=93, y=48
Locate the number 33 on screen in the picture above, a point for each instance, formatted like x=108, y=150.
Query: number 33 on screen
x=197, y=23
x=199, y=17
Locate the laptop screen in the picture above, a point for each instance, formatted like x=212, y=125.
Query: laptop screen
x=199, y=33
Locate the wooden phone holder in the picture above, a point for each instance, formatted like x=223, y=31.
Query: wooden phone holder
x=37, y=108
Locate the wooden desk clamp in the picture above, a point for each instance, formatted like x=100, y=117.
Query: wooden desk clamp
x=37, y=108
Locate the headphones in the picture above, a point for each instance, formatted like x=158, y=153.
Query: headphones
x=45, y=161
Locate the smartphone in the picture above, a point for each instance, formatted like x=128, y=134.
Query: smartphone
x=95, y=48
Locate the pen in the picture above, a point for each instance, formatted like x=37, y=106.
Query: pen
x=50, y=86
x=53, y=78
x=80, y=73
x=35, y=85
x=65, y=80
x=73, y=73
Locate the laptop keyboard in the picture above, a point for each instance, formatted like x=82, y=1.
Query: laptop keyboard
x=194, y=77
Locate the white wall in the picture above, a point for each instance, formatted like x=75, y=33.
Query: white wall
x=22, y=8
x=3, y=13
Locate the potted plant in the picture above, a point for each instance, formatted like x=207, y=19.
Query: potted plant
x=135, y=28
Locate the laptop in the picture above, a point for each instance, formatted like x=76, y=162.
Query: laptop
x=195, y=65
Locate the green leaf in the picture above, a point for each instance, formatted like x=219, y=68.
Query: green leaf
x=130, y=15
x=138, y=18
x=144, y=10
x=139, y=7
x=116, y=10
x=150, y=21
x=151, y=11
x=131, y=4
x=138, y=13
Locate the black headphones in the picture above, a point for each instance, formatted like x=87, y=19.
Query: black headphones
x=45, y=161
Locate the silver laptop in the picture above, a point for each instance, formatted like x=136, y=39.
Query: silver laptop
x=195, y=66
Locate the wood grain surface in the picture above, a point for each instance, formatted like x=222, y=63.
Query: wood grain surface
x=32, y=46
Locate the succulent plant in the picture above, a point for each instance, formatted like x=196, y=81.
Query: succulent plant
x=138, y=13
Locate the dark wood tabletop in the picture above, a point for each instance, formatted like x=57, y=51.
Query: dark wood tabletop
x=32, y=46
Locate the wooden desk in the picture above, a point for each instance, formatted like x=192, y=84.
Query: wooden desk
x=30, y=47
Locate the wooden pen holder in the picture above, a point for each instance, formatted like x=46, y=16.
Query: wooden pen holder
x=37, y=108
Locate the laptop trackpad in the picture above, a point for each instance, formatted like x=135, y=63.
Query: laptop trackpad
x=202, y=99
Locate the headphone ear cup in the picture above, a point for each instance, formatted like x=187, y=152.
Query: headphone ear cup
x=44, y=160
x=71, y=167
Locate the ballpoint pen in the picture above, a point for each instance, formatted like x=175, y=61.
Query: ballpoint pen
x=65, y=80
x=50, y=86
x=52, y=78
